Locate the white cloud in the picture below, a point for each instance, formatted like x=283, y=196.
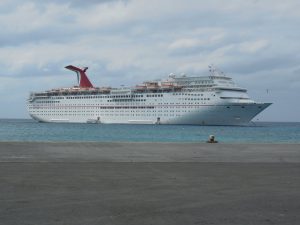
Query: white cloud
x=27, y=17
x=253, y=46
x=186, y=43
x=183, y=43
x=103, y=15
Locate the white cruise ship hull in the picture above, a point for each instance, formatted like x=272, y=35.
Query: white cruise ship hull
x=230, y=114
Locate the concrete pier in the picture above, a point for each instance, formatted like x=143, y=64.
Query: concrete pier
x=149, y=183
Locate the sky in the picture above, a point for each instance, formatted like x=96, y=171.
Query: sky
x=125, y=42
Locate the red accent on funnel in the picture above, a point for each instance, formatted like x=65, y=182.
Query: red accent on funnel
x=84, y=81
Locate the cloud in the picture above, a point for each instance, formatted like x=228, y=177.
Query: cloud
x=184, y=43
x=75, y=3
x=254, y=46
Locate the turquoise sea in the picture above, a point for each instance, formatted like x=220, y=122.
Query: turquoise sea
x=262, y=132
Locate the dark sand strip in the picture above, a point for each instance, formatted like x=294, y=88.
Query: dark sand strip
x=147, y=183
x=147, y=152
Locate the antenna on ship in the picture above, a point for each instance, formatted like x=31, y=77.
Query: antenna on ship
x=214, y=71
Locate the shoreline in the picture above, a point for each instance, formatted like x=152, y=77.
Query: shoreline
x=156, y=142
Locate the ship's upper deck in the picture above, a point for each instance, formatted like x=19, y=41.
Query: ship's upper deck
x=216, y=81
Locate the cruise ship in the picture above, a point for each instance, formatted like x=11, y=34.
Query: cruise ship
x=197, y=100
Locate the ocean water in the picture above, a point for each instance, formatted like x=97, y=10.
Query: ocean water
x=263, y=132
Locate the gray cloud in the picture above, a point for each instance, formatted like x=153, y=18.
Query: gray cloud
x=270, y=63
x=76, y=3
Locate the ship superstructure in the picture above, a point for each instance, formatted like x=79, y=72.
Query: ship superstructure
x=199, y=100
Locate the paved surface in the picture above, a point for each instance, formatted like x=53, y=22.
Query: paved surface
x=140, y=183
x=147, y=152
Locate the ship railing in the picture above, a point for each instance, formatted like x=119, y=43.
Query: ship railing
x=75, y=92
x=220, y=88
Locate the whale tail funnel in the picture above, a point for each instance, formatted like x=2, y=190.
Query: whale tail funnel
x=83, y=80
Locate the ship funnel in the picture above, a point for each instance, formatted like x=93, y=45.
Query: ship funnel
x=83, y=80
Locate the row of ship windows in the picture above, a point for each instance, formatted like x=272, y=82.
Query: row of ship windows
x=111, y=96
x=122, y=96
x=117, y=107
x=143, y=115
x=189, y=83
x=121, y=111
x=133, y=100
x=159, y=105
x=115, y=96
x=115, y=113
x=48, y=102
x=188, y=94
x=114, y=107
x=127, y=100
x=38, y=96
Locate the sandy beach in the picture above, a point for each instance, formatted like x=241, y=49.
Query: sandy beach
x=149, y=183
